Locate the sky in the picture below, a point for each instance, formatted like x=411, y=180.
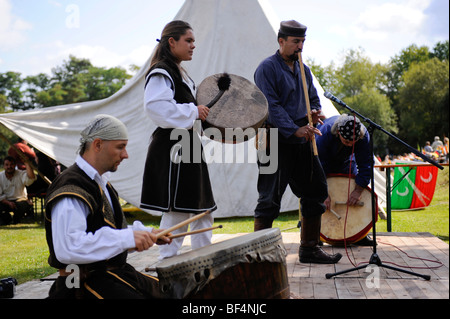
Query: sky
x=37, y=35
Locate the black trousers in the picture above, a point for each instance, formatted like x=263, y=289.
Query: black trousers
x=23, y=208
x=302, y=171
x=123, y=283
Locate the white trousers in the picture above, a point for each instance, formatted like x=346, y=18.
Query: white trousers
x=197, y=241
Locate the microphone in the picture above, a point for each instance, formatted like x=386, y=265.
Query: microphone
x=331, y=97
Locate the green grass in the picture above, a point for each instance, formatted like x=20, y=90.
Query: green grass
x=433, y=219
x=24, y=252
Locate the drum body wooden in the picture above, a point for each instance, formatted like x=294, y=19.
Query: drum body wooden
x=359, y=218
x=242, y=109
x=251, y=266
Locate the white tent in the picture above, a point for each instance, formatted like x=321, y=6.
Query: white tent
x=231, y=36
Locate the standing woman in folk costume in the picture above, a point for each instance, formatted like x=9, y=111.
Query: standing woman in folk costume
x=176, y=179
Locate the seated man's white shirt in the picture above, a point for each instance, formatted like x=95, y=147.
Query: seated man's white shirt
x=72, y=244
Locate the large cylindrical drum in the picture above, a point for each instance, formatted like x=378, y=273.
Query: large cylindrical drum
x=338, y=226
x=251, y=266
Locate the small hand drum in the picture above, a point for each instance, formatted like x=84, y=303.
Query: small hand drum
x=242, y=108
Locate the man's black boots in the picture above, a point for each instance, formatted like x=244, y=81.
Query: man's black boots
x=310, y=251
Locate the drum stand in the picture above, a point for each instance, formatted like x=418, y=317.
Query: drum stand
x=375, y=259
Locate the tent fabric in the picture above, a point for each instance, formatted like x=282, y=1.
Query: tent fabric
x=231, y=36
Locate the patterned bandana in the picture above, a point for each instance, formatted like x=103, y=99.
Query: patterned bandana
x=105, y=127
x=348, y=126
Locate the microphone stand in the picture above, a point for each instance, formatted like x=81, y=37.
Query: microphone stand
x=375, y=259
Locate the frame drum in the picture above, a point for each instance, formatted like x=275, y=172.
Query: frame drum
x=242, y=107
x=359, y=219
x=251, y=266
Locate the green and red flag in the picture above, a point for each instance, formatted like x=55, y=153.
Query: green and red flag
x=416, y=190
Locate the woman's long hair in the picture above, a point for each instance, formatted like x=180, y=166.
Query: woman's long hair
x=174, y=29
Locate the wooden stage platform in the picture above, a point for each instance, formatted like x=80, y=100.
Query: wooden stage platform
x=309, y=282
x=417, y=252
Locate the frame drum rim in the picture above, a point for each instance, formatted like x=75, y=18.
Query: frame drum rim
x=246, y=107
x=332, y=229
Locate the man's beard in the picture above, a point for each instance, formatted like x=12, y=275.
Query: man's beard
x=294, y=57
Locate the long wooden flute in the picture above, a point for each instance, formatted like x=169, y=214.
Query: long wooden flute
x=308, y=105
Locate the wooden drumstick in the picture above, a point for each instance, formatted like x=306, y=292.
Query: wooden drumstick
x=308, y=105
x=290, y=228
x=359, y=203
x=335, y=214
x=194, y=232
x=224, y=83
x=184, y=223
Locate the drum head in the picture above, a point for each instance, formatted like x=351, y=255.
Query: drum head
x=242, y=107
x=359, y=218
x=188, y=273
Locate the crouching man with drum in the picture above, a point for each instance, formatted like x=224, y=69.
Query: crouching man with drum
x=344, y=148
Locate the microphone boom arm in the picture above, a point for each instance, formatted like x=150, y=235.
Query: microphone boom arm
x=372, y=124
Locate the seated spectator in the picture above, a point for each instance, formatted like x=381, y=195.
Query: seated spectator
x=428, y=147
x=437, y=143
x=13, y=193
x=22, y=146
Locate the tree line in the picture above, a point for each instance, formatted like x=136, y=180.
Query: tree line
x=75, y=81
x=408, y=96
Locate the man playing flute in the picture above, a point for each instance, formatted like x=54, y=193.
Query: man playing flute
x=279, y=78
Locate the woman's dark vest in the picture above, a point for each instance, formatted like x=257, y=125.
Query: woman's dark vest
x=183, y=93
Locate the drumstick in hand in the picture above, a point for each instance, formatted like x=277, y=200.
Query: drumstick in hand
x=345, y=203
x=335, y=214
x=194, y=232
x=223, y=83
x=184, y=223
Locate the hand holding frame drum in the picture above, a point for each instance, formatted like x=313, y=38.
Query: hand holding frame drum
x=242, y=106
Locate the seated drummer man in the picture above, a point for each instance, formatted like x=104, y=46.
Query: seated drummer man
x=344, y=145
x=85, y=225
